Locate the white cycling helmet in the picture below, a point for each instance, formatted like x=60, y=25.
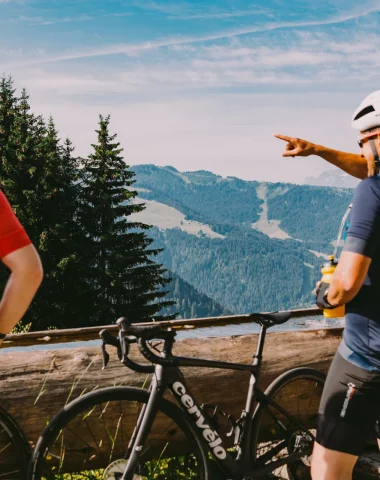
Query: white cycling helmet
x=367, y=115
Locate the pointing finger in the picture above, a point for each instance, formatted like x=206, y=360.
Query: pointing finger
x=283, y=137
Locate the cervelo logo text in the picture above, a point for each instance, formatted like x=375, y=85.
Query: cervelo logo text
x=211, y=437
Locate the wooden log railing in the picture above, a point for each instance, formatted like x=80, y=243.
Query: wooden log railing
x=92, y=333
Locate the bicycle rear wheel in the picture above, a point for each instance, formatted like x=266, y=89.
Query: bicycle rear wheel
x=14, y=450
x=274, y=436
x=90, y=438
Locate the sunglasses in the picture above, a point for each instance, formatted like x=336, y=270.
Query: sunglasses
x=365, y=136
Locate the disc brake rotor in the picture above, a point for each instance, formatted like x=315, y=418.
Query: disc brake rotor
x=115, y=471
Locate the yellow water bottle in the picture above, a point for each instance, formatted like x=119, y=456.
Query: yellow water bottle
x=327, y=271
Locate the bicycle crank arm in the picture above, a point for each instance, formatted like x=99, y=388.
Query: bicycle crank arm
x=272, y=452
x=279, y=463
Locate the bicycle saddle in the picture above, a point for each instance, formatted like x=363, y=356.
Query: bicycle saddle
x=276, y=317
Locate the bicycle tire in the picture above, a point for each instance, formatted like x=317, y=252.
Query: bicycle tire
x=299, y=470
x=14, y=449
x=91, y=402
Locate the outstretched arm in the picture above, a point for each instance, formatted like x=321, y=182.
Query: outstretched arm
x=351, y=163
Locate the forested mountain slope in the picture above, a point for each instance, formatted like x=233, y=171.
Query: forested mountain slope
x=271, y=238
x=189, y=302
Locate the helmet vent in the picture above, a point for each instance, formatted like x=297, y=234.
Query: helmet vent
x=363, y=112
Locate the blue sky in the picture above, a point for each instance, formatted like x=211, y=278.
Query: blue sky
x=198, y=84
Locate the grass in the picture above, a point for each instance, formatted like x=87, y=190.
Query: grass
x=175, y=468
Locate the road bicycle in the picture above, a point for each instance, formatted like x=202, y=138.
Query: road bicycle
x=14, y=449
x=125, y=433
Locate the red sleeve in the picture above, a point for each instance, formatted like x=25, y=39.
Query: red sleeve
x=12, y=234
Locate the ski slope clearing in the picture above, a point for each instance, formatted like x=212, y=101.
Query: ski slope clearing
x=162, y=216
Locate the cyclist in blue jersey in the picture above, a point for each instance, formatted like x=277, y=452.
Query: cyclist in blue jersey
x=350, y=404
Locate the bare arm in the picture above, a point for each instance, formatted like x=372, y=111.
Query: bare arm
x=26, y=277
x=348, y=278
x=350, y=163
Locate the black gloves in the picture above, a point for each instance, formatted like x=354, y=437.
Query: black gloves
x=321, y=299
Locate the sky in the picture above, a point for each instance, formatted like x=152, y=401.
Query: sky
x=199, y=84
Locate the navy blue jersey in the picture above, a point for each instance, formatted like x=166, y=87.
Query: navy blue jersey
x=362, y=331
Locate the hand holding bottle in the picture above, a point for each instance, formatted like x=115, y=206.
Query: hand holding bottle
x=322, y=287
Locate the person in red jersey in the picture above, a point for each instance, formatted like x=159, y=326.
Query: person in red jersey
x=19, y=255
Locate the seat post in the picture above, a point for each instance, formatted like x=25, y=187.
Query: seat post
x=257, y=357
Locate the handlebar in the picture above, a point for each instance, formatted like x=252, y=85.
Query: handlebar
x=122, y=352
x=147, y=332
x=150, y=332
x=141, y=335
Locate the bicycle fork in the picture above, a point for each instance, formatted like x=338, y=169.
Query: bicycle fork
x=144, y=424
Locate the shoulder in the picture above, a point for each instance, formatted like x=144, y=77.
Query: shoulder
x=363, y=235
x=368, y=189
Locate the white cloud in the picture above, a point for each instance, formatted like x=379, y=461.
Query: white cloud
x=171, y=9
x=310, y=61
x=75, y=84
x=131, y=49
x=38, y=20
x=222, y=14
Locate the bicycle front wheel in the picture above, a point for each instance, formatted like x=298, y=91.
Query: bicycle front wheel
x=89, y=438
x=14, y=450
x=275, y=436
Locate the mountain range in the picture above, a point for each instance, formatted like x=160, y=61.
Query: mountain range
x=246, y=246
x=333, y=178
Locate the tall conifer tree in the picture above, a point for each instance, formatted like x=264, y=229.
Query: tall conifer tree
x=59, y=238
x=126, y=279
x=8, y=111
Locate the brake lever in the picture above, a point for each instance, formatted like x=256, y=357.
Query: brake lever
x=124, y=347
x=106, y=356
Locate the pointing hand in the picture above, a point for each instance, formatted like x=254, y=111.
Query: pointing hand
x=296, y=146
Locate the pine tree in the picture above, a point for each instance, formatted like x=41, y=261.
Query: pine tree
x=8, y=102
x=21, y=175
x=8, y=110
x=58, y=232
x=126, y=280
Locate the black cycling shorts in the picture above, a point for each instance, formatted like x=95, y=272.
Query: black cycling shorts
x=349, y=409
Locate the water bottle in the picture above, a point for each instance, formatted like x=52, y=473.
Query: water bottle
x=327, y=271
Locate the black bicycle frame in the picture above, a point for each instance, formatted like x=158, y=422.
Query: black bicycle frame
x=233, y=466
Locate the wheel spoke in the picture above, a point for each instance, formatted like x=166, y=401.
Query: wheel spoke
x=299, y=395
x=95, y=437
x=13, y=453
